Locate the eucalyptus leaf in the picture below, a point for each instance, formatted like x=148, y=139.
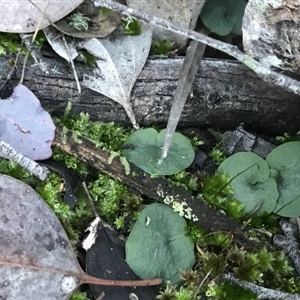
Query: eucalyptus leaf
x=120, y=60
x=36, y=258
x=143, y=148
x=285, y=163
x=251, y=182
x=223, y=17
x=54, y=39
x=102, y=21
x=157, y=245
x=35, y=252
x=25, y=125
x=28, y=16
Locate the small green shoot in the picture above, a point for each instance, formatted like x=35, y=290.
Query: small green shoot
x=79, y=22
x=131, y=25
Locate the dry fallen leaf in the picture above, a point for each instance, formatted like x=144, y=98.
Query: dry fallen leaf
x=121, y=58
x=36, y=257
x=53, y=37
x=25, y=16
x=101, y=24
x=25, y=125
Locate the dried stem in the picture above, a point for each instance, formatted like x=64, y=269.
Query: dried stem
x=261, y=292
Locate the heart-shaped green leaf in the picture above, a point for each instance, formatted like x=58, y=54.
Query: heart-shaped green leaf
x=223, y=17
x=251, y=182
x=285, y=160
x=157, y=245
x=143, y=148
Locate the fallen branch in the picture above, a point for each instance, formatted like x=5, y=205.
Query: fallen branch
x=261, y=292
x=262, y=71
x=288, y=242
x=159, y=189
x=33, y=167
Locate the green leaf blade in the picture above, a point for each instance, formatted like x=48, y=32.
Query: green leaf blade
x=285, y=160
x=223, y=16
x=251, y=182
x=146, y=152
x=157, y=245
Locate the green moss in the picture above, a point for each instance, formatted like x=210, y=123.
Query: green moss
x=11, y=168
x=49, y=191
x=131, y=25
x=167, y=292
x=184, y=293
x=108, y=136
x=217, y=155
x=90, y=59
x=227, y=291
x=40, y=39
x=109, y=195
x=105, y=11
x=217, y=192
x=287, y=137
x=70, y=161
x=79, y=21
x=186, y=180
x=79, y=296
x=195, y=233
x=162, y=47
x=10, y=43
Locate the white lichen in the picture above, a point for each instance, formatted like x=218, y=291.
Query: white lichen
x=181, y=208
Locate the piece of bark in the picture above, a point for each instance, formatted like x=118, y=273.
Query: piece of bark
x=271, y=33
x=241, y=140
x=289, y=242
x=225, y=94
x=155, y=188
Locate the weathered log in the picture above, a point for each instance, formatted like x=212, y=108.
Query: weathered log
x=155, y=188
x=225, y=93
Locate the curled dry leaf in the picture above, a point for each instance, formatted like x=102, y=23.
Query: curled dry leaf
x=25, y=125
x=102, y=22
x=120, y=60
x=25, y=16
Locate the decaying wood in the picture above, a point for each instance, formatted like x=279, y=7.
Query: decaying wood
x=271, y=33
x=155, y=188
x=225, y=93
x=241, y=140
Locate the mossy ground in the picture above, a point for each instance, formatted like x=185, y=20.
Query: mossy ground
x=216, y=251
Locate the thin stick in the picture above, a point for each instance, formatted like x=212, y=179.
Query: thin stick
x=34, y=168
x=23, y=67
x=201, y=284
x=91, y=200
x=40, y=21
x=265, y=73
x=13, y=68
x=72, y=64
